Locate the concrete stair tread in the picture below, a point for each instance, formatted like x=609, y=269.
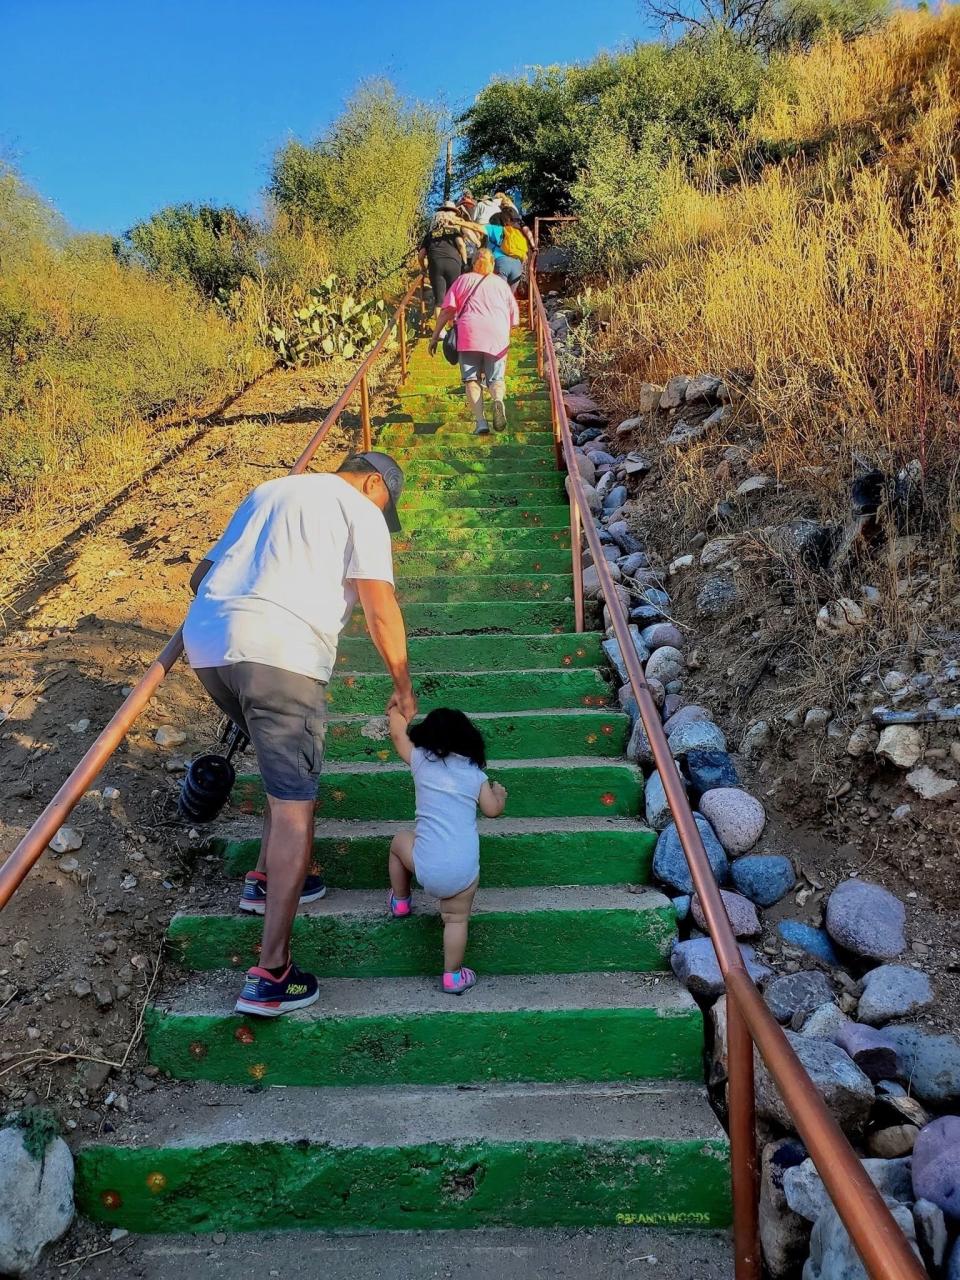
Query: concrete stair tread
x=511, y=1253
x=204, y=1115
x=601, y=713
x=212, y=993
x=345, y=828
x=549, y=763
x=369, y=904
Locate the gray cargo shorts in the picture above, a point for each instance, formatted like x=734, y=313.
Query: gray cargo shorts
x=283, y=713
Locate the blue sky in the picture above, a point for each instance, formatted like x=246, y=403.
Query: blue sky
x=114, y=109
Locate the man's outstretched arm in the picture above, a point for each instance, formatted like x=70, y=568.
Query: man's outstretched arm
x=385, y=624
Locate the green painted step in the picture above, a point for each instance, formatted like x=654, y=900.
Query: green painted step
x=225, y=1159
x=513, y=735
x=427, y=480
x=572, y=787
x=472, y=618
x=439, y=502
x=522, y=514
x=397, y=1031
x=436, y=563
x=513, y=852
x=480, y=653
x=418, y=467
x=358, y=693
x=350, y=934
x=458, y=435
x=488, y=588
x=431, y=538
x=423, y=452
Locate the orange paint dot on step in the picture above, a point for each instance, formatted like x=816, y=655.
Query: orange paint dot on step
x=581, y=653
x=258, y=1070
x=567, y=660
x=349, y=682
x=383, y=755
x=234, y=959
x=243, y=1035
x=111, y=1199
x=156, y=1182
x=608, y=798
x=607, y=729
x=338, y=797
x=198, y=1049
x=591, y=738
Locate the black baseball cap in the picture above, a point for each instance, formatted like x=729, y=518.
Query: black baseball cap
x=392, y=477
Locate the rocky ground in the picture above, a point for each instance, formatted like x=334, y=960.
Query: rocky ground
x=807, y=676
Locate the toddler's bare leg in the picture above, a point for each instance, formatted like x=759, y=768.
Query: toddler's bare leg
x=455, y=912
x=401, y=863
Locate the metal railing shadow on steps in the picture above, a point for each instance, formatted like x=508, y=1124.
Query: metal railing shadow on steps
x=875, y=1234
x=31, y=847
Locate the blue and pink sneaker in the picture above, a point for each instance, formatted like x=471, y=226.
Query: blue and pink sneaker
x=268, y=997
x=400, y=907
x=459, y=981
x=254, y=895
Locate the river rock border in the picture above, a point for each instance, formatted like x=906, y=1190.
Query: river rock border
x=848, y=1006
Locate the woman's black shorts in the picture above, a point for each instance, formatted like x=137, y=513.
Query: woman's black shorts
x=443, y=272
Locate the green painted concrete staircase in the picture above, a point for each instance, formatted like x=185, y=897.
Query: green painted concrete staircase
x=566, y=1088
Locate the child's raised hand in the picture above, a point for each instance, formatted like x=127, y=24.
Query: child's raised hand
x=499, y=791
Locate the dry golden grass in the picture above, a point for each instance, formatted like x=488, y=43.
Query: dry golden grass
x=830, y=279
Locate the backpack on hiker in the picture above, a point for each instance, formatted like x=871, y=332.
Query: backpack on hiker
x=514, y=243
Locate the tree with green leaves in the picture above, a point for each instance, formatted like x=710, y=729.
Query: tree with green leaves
x=361, y=188
x=212, y=246
x=768, y=26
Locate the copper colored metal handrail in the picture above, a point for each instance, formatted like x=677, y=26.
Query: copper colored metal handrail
x=30, y=848
x=873, y=1230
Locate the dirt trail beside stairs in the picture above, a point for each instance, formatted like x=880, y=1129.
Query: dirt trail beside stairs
x=79, y=942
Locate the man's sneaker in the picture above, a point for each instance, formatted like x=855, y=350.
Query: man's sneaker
x=254, y=895
x=482, y=429
x=268, y=997
x=499, y=416
x=399, y=907
x=461, y=980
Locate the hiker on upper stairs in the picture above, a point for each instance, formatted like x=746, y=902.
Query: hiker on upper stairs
x=272, y=597
x=484, y=310
x=447, y=757
x=443, y=252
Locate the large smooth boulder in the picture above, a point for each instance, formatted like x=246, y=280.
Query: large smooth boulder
x=832, y=1255
x=708, y=770
x=797, y=993
x=806, y=1194
x=689, y=714
x=656, y=809
x=741, y=913
x=893, y=991
x=874, y=1052
x=695, y=964
x=670, y=864
x=936, y=1165
x=816, y=942
x=823, y=1022
x=702, y=735
x=930, y=1062
x=36, y=1200
x=764, y=878
x=844, y=1088
x=673, y=394
x=661, y=634
x=666, y=664
x=866, y=919
x=737, y=817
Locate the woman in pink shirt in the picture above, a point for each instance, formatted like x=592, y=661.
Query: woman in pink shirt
x=484, y=310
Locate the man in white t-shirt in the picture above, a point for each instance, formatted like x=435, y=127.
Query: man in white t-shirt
x=272, y=597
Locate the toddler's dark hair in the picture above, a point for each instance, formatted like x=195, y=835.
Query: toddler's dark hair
x=445, y=732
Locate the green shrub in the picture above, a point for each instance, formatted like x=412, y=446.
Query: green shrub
x=330, y=323
x=213, y=248
x=360, y=190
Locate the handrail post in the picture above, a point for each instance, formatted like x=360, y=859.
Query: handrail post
x=365, y=413
x=402, y=328
x=577, y=554
x=742, y=1121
